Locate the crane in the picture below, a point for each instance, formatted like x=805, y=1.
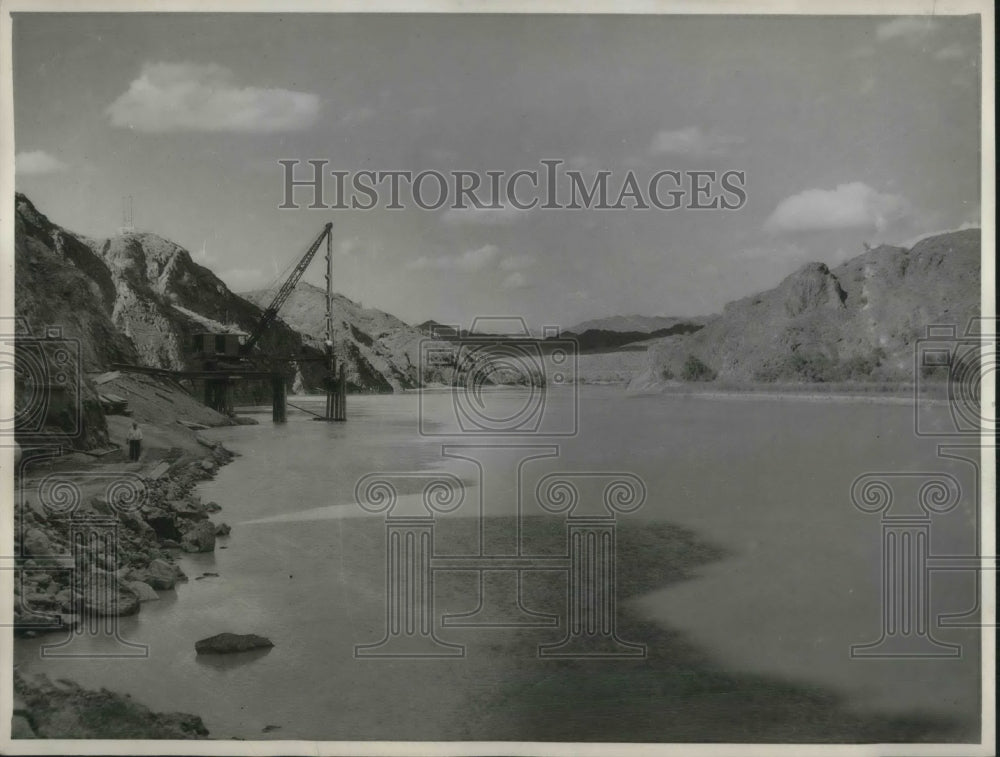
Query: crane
x=271, y=311
x=214, y=350
x=221, y=358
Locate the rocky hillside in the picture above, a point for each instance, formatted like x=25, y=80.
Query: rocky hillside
x=381, y=353
x=135, y=297
x=139, y=298
x=61, y=281
x=857, y=322
x=164, y=297
x=63, y=289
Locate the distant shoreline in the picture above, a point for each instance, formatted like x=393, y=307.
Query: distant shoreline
x=894, y=394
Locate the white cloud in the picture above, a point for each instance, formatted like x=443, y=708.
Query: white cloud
x=168, y=97
x=517, y=262
x=908, y=29
x=951, y=52
x=515, y=280
x=692, y=141
x=37, y=163
x=482, y=216
x=849, y=206
x=468, y=261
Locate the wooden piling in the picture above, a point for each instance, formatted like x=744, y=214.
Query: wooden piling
x=219, y=396
x=278, y=411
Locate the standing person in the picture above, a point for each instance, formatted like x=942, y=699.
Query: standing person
x=134, y=442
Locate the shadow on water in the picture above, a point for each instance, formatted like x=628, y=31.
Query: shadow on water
x=676, y=693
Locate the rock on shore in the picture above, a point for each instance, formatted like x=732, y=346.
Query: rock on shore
x=200, y=538
x=172, y=517
x=64, y=710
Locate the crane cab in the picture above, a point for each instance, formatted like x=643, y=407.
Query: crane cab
x=212, y=346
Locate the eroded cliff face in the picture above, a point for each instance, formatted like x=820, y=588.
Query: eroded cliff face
x=163, y=298
x=139, y=298
x=60, y=281
x=64, y=297
x=857, y=322
x=134, y=298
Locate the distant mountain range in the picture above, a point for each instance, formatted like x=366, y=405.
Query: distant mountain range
x=600, y=335
x=602, y=340
x=643, y=324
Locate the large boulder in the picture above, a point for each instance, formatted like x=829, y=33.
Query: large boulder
x=36, y=543
x=188, y=508
x=228, y=643
x=106, y=595
x=134, y=521
x=200, y=537
x=64, y=597
x=161, y=575
x=143, y=590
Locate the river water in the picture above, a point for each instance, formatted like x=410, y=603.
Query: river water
x=748, y=574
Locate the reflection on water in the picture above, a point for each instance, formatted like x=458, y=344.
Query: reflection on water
x=748, y=575
x=224, y=662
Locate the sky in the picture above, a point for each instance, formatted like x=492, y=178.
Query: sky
x=848, y=130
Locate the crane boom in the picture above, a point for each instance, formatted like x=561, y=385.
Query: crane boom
x=271, y=312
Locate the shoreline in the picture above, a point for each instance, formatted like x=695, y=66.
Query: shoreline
x=171, y=520
x=804, y=395
x=898, y=394
x=883, y=393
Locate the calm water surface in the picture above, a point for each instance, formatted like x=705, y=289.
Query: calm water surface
x=764, y=481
